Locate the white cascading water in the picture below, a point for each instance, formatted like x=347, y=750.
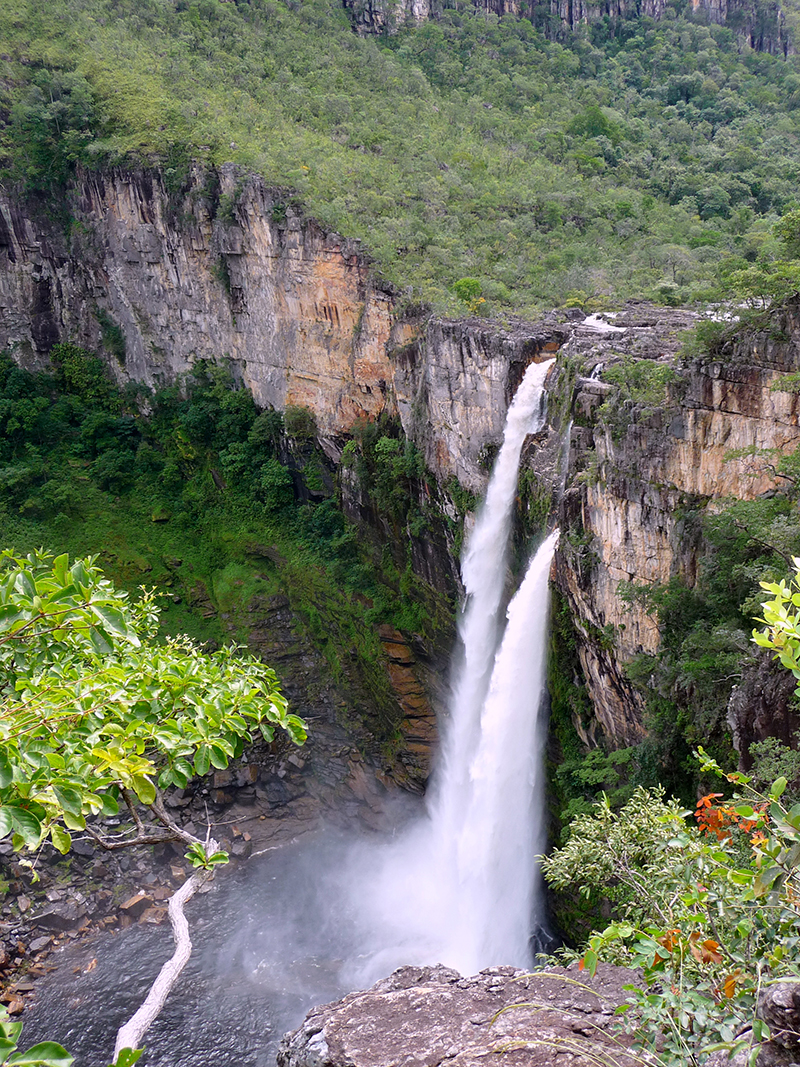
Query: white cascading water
x=458, y=887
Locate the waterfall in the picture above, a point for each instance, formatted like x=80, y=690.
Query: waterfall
x=483, y=571
x=458, y=886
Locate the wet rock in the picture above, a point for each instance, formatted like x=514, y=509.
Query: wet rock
x=421, y=1016
x=248, y=774
x=134, y=906
x=61, y=916
x=154, y=916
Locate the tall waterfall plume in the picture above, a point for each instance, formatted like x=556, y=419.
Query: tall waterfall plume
x=458, y=886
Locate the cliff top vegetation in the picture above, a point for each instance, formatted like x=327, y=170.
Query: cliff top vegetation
x=643, y=158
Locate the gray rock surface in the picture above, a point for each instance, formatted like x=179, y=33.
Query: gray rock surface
x=427, y=1016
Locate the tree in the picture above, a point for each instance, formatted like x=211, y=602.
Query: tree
x=96, y=714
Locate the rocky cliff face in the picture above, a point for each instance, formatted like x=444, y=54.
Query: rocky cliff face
x=637, y=474
x=231, y=269
x=760, y=23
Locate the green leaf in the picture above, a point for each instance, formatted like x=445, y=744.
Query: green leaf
x=115, y=621
x=26, y=824
x=69, y=799
x=778, y=788
x=6, y=770
x=296, y=729
x=218, y=757
x=202, y=760
x=5, y=822
x=74, y=822
x=45, y=1054
x=101, y=645
x=61, y=839
x=24, y=584
x=61, y=568
x=143, y=788
x=110, y=805
x=127, y=1057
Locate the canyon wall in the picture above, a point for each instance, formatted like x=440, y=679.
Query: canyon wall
x=638, y=476
x=231, y=269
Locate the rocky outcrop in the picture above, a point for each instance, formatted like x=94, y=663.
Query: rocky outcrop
x=779, y=1007
x=230, y=269
x=637, y=474
x=429, y=1016
x=759, y=23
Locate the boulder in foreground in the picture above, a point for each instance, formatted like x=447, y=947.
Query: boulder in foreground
x=427, y=1016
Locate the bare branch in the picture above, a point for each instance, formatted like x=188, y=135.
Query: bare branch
x=133, y=810
x=160, y=812
x=131, y=1034
x=141, y=839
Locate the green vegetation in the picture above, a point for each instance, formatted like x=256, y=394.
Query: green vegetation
x=220, y=507
x=642, y=387
x=44, y=1054
x=96, y=715
x=703, y=902
x=707, y=910
x=705, y=646
x=94, y=711
x=633, y=157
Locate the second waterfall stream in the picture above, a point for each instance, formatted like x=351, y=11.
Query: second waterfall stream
x=460, y=886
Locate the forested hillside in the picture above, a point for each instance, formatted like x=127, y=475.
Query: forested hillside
x=634, y=159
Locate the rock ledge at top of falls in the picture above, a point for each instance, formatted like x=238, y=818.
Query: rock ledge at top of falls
x=424, y=1016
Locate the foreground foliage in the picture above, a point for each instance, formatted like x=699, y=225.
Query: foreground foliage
x=94, y=712
x=43, y=1054
x=707, y=907
x=708, y=910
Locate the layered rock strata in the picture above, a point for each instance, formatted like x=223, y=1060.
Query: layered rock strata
x=231, y=270
x=636, y=473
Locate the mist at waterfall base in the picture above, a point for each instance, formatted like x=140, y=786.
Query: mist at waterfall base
x=308, y=922
x=460, y=886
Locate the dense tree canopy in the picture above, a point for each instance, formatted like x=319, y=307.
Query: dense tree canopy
x=630, y=158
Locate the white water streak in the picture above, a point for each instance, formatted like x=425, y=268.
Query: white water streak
x=483, y=571
x=458, y=887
